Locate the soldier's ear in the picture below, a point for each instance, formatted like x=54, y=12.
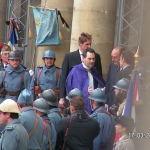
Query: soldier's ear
x=72, y=109
x=124, y=129
x=8, y=114
x=18, y=105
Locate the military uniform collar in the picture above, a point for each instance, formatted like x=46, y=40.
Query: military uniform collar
x=27, y=109
x=54, y=110
x=45, y=117
x=123, y=137
x=51, y=70
x=9, y=125
x=99, y=108
x=10, y=70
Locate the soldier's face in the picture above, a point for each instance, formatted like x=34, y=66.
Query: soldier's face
x=120, y=129
x=4, y=56
x=89, y=60
x=3, y=118
x=117, y=91
x=14, y=63
x=85, y=45
x=49, y=62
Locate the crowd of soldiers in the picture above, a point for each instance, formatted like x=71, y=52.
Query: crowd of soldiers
x=68, y=108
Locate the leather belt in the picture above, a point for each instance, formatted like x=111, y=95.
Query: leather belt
x=12, y=93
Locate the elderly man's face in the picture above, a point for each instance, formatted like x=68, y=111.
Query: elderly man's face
x=115, y=55
x=4, y=56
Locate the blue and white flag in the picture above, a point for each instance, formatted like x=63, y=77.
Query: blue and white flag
x=133, y=95
x=47, y=28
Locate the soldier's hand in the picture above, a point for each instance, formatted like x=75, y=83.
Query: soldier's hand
x=106, y=106
x=103, y=89
x=62, y=102
x=90, y=89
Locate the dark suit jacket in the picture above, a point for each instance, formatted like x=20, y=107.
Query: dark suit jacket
x=124, y=73
x=69, y=61
x=111, y=80
x=1, y=65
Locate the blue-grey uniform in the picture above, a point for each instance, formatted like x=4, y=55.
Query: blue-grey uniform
x=124, y=143
x=47, y=78
x=55, y=116
x=106, y=136
x=14, y=137
x=12, y=82
x=50, y=133
x=28, y=118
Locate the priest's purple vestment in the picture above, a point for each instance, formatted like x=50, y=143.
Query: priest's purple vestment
x=78, y=78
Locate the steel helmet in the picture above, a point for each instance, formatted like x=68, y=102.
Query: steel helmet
x=49, y=54
x=25, y=97
x=122, y=84
x=41, y=105
x=9, y=105
x=13, y=55
x=97, y=95
x=50, y=96
x=74, y=92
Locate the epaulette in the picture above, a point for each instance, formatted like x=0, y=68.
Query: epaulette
x=126, y=140
x=9, y=128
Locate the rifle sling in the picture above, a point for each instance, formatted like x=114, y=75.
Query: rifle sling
x=35, y=125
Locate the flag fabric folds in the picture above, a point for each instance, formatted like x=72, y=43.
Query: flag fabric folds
x=13, y=33
x=47, y=28
x=133, y=95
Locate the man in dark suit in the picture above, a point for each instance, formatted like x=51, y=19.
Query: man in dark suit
x=74, y=58
x=112, y=73
x=126, y=65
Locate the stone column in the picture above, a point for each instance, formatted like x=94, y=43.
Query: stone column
x=3, y=5
x=66, y=9
x=97, y=18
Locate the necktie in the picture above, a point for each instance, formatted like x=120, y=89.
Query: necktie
x=118, y=68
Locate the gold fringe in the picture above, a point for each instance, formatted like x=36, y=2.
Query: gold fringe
x=60, y=36
x=139, y=102
x=30, y=33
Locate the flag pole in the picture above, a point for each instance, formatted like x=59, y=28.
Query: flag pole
x=133, y=91
x=137, y=57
